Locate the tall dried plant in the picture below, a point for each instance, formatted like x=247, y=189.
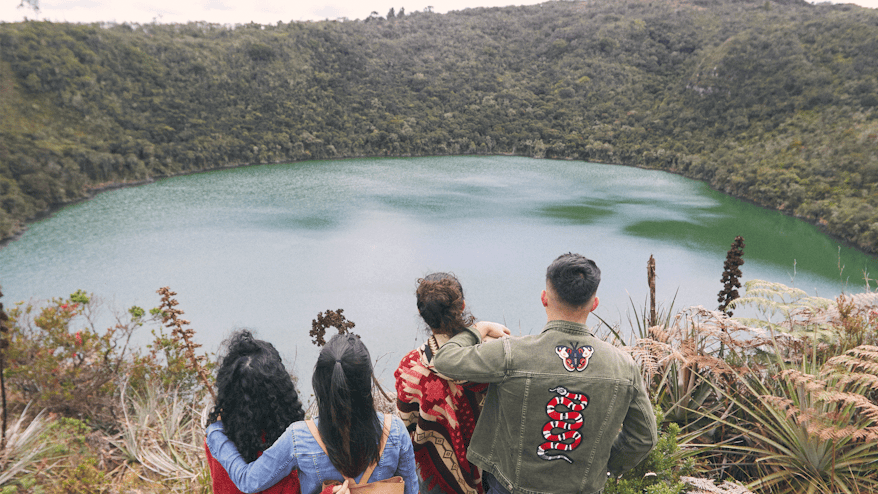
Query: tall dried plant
x=731, y=278
x=184, y=336
x=4, y=344
x=650, y=280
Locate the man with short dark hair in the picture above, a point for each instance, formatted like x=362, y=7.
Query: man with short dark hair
x=564, y=408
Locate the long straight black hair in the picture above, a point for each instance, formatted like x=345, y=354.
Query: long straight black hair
x=348, y=424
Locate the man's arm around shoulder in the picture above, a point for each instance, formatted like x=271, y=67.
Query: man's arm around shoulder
x=465, y=357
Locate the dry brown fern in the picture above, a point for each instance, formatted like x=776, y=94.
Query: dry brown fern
x=681, y=362
x=835, y=405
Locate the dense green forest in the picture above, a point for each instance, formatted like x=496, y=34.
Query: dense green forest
x=774, y=102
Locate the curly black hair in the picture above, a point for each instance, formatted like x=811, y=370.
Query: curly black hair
x=255, y=394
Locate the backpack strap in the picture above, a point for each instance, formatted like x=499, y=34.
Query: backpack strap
x=385, y=433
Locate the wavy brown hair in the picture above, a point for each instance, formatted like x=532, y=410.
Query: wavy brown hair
x=441, y=303
x=255, y=395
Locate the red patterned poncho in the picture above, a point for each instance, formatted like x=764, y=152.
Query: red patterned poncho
x=440, y=415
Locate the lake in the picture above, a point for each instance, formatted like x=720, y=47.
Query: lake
x=268, y=247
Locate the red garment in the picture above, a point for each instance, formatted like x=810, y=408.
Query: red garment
x=440, y=415
x=222, y=484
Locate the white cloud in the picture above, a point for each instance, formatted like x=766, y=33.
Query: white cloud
x=236, y=11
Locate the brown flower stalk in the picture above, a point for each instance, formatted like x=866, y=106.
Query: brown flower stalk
x=4, y=344
x=650, y=280
x=181, y=335
x=731, y=279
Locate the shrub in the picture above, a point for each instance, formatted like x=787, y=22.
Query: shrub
x=660, y=472
x=60, y=369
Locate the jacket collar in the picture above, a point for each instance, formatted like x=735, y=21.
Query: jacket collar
x=567, y=327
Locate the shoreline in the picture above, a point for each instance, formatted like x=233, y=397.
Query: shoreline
x=93, y=191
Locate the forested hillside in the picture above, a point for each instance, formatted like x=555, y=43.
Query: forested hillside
x=775, y=102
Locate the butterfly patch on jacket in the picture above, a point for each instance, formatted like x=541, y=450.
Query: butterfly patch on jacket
x=575, y=358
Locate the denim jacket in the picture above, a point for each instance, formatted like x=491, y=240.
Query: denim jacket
x=563, y=408
x=297, y=448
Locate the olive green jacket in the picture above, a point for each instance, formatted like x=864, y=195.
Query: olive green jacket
x=563, y=408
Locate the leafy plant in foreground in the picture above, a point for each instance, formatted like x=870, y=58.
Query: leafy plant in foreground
x=59, y=361
x=660, y=472
x=803, y=427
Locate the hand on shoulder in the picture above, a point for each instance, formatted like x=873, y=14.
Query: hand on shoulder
x=491, y=330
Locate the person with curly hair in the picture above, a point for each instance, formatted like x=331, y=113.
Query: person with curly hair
x=344, y=442
x=257, y=400
x=440, y=413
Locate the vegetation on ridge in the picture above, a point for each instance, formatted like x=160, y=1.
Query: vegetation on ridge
x=770, y=101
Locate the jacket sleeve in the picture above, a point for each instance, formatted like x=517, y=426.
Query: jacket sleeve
x=638, y=435
x=275, y=463
x=465, y=357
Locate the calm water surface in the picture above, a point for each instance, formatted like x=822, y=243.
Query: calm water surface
x=268, y=247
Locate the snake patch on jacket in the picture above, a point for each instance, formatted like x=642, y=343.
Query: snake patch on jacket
x=567, y=424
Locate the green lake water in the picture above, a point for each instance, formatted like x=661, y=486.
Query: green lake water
x=268, y=247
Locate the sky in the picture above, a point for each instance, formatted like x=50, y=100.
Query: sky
x=238, y=11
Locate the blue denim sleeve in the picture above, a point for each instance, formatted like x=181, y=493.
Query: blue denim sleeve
x=406, y=467
x=275, y=463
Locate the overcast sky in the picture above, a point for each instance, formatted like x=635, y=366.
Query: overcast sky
x=238, y=11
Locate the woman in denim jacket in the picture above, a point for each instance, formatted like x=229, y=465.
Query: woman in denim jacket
x=351, y=429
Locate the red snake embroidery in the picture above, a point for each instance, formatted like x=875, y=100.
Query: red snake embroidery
x=570, y=421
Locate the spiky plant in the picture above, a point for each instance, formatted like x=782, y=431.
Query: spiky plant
x=25, y=447
x=163, y=433
x=803, y=428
